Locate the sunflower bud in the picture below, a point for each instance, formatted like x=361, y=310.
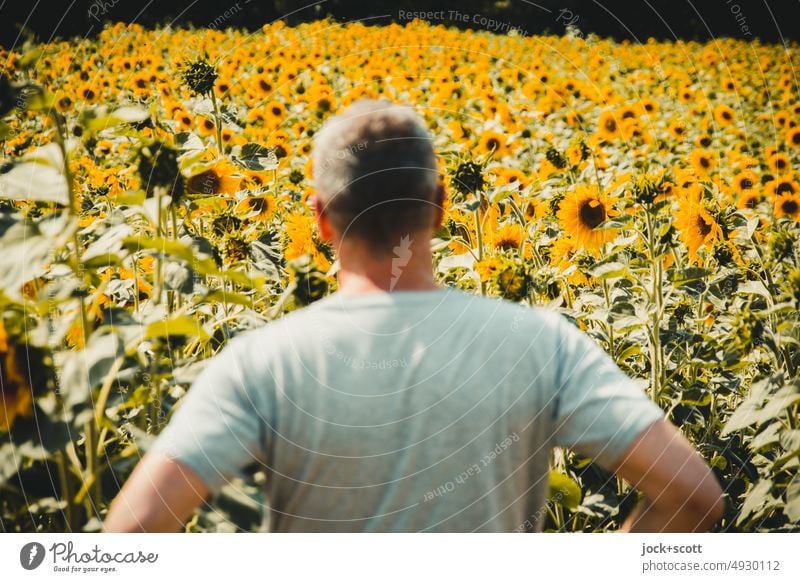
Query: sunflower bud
x=199, y=76
x=8, y=95
x=25, y=372
x=234, y=249
x=781, y=245
x=468, y=178
x=556, y=158
x=158, y=166
x=645, y=189
x=792, y=286
x=310, y=283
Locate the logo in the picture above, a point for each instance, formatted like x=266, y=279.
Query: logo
x=402, y=254
x=31, y=555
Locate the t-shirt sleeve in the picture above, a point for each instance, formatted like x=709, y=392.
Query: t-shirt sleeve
x=218, y=428
x=599, y=410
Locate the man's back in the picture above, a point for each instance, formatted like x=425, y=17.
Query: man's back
x=406, y=411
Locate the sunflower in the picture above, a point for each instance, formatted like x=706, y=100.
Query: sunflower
x=648, y=106
x=608, y=127
x=88, y=94
x=686, y=95
x=492, y=142
x=745, y=182
x=703, y=140
x=206, y=126
x=785, y=185
x=793, y=137
x=219, y=179
x=749, y=199
x=510, y=176
x=582, y=212
x=302, y=240
x=696, y=225
x=16, y=394
x=703, y=161
x=677, y=129
x=724, y=115
x=788, y=205
x=257, y=208
x=778, y=162
x=263, y=85
x=508, y=236
x=275, y=112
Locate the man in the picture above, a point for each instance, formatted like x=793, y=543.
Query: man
x=399, y=405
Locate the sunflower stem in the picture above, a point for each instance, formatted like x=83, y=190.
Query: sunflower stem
x=217, y=121
x=479, y=237
x=656, y=299
x=66, y=490
x=90, y=428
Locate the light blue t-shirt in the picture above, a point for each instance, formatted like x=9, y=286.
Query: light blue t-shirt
x=406, y=411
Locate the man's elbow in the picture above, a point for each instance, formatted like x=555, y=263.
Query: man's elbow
x=706, y=503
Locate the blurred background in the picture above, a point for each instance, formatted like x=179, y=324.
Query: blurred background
x=634, y=20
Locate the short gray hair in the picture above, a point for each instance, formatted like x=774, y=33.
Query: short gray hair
x=375, y=172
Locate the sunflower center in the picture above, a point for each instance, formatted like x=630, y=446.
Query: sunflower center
x=592, y=213
x=611, y=124
x=492, y=143
x=208, y=182
x=796, y=138
x=705, y=162
x=785, y=188
x=790, y=206
x=746, y=184
x=703, y=226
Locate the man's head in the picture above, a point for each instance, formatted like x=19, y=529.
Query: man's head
x=376, y=176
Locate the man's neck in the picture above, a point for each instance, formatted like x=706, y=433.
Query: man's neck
x=408, y=269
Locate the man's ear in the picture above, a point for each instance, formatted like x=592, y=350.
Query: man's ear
x=438, y=201
x=324, y=225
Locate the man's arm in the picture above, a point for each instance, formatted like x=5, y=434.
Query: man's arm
x=602, y=414
x=160, y=496
x=215, y=432
x=680, y=491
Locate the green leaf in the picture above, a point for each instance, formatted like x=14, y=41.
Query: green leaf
x=182, y=325
x=612, y=270
x=257, y=158
x=25, y=254
x=229, y=297
x=792, y=508
x=99, y=119
x=756, y=500
x=465, y=260
x=34, y=181
x=683, y=276
x=170, y=247
x=755, y=288
x=86, y=369
x=761, y=407
x=564, y=490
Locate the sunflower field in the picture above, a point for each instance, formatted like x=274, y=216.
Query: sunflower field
x=154, y=191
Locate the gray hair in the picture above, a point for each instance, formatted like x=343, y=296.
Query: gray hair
x=375, y=172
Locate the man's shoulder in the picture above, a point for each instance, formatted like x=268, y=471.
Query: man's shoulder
x=303, y=325
x=518, y=314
